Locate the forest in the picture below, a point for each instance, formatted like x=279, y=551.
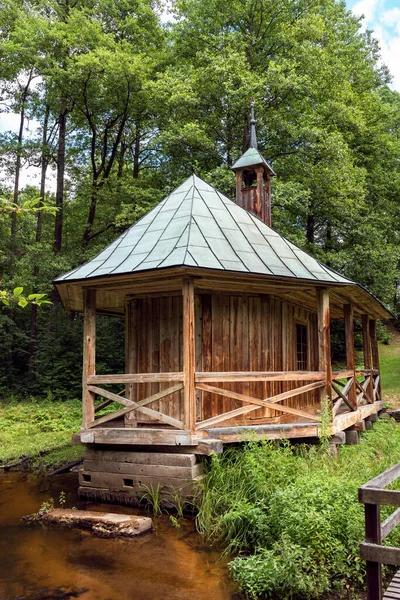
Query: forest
x=131, y=99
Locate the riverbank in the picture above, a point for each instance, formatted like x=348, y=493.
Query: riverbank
x=37, y=434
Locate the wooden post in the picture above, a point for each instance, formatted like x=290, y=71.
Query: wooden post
x=189, y=400
x=375, y=352
x=367, y=353
x=350, y=360
x=239, y=188
x=89, y=354
x=373, y=536
x=324, y=340
x=131, y=357
x=260, y=204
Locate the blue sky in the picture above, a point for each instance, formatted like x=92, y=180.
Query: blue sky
x=383, y=17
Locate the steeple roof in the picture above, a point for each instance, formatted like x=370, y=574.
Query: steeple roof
x=197, y=226
x=252, y=158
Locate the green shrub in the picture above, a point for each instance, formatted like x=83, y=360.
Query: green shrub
x=291, y=513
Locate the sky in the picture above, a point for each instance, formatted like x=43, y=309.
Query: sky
x=381, y=16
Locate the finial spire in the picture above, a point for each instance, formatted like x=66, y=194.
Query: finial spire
x=253, y=136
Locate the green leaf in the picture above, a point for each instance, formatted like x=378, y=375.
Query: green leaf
x=18, y=291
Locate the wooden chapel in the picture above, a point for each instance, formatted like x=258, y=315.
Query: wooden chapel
x=227, y=335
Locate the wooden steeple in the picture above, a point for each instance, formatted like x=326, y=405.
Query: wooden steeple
x=253, y=178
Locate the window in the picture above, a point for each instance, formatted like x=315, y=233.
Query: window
x=301, y=341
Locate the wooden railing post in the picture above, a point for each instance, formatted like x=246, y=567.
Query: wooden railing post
x=350, y=360
x=189, y=400
x=373, y=536
x=324, y=340
x=89, y=354
x=375, y=352
x=367, y=354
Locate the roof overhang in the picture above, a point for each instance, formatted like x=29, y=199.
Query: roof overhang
x=113, y=290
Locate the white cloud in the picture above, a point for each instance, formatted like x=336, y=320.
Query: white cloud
x=386, y=29
x=368, y=8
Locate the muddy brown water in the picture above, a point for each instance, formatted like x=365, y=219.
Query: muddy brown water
x=39, y=563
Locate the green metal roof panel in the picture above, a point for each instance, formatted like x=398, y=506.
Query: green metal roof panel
x=198, y=226
x=251, y=158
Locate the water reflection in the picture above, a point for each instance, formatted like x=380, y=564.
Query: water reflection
x=37, y=563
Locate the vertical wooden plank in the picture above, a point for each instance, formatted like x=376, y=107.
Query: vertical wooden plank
x=188, y=353
x=89, y=353
x=234, y=344
x=131, y=356
x=266, y=347
x=207, y=350
x=367, y=352
x=348, y=311
x=177, y=308
x=244, y=341
x=324, y=340
x=217, y=348
x=225, y=346
x=373, y=536
x=155, y=349
x=198, y=319
x=375, y=352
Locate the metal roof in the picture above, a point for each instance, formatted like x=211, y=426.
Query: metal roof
x=250, y=158
x=197, y=226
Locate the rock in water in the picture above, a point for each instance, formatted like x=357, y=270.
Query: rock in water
x=103, y=524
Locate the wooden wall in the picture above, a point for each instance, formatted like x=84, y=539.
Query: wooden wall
x=233, y=333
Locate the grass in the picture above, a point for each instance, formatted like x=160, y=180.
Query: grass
x=390, y=369
x=33, y=427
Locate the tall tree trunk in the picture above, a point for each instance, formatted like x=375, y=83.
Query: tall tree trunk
x=39, y=225
x=62, y=128
x=92, y=211
x=13, y=233
x=18, y=159
x=310, y=233
x=136, y=153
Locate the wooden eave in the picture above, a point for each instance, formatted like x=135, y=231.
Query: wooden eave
x=113, y=290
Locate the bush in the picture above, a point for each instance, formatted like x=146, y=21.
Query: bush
x=291, y=513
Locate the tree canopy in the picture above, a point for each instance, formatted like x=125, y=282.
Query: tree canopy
x=128, y=107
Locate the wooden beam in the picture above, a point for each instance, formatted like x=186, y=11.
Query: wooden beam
x=137, y=378
x=324, y=339
x=237, y=376
x=348, y=311
x=256, y=403
x=131, y=356
x=375, y=353
x=146, y=411
x=343, y=393
x=189, y=399
x=89, y=354
x=135, y=405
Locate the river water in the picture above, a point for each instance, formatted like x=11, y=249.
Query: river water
x=38, y=563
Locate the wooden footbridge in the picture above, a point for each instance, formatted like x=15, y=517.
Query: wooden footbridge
x=374, y=495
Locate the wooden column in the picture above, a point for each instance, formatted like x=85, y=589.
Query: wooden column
x=131, y=357
x=367, y=353
x=89, y=354
x=324, y=340
x=373, y=536
x=189, y=401
x=375, y=352
x=348, y=311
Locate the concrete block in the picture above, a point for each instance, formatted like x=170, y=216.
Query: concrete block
x=352, y=438
x=369, y=425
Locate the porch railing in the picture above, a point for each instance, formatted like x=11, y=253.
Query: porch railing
x=373, y=495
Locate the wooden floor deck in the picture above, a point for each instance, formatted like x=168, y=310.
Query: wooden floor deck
x=393, y=591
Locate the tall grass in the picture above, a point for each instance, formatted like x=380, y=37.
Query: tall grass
x=290, y=513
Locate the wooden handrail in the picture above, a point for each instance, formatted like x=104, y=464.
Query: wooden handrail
x=373, y=494
x=238, y=376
